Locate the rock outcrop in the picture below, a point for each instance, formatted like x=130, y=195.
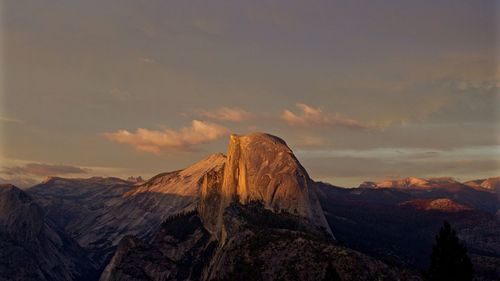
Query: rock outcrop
x=261, y=167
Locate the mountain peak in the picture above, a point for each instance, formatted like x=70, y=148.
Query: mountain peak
x=19, y=215
x=137, y=179
x=10, y=193
x=258, y=136
x=485, y=184
x=261, y=167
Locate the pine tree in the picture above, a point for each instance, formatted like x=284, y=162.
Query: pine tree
x=449, y=260
x=331, y=274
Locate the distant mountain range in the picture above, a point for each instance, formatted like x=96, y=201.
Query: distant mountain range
x=491, y=184
x=254, y=214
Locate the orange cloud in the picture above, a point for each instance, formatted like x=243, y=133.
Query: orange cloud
x=310, y=116
x=154, y=141
x=228, y=114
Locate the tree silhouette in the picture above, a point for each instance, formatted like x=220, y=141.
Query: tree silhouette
x=331, y=274
x=449, y=260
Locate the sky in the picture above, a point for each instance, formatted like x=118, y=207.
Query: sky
x=360, y=90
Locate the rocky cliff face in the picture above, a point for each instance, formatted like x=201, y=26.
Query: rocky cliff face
x=261, y=167
x=32, y=247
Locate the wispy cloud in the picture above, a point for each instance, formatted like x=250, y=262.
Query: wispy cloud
x=210, y=26
x=10, y=120
x=232, y=114
x=120, y=94
x=42, y=169
x=478, y=85
x=146, y=60
x=352, y=166
x=154, y=141
x=311, y=116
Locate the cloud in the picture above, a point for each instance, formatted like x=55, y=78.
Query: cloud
x=349, y=167
x=309, y=140
x=120, y=94
x=486, y=85
x=146, y=60
x=310, y=116
x=41, y=169
x=232, y=114
x=154, y=141
x=210, y=26
x=10, y=120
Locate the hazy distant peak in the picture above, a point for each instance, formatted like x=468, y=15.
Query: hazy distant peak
x=137, y=179
x=415, y=183
x=489, y=183
x=449, y=183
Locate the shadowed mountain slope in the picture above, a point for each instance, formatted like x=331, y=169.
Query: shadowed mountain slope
x=402, y=223
x=98, y=212
x=32, y=247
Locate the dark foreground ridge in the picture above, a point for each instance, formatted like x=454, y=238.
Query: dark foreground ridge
x=260, y=245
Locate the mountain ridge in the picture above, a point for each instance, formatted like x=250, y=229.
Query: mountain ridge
x=100, y=212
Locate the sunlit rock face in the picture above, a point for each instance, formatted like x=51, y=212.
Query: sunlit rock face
x=261, y=167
